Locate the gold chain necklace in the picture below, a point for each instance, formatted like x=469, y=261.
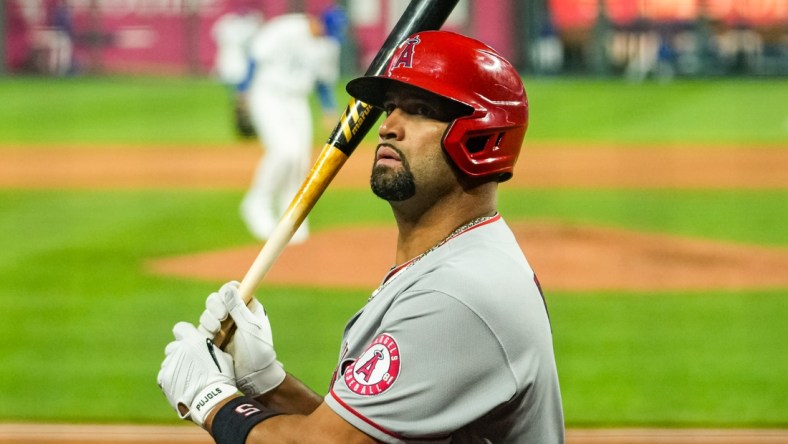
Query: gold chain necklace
x=396, y=271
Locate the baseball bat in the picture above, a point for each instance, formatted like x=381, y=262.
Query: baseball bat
x=354, y=124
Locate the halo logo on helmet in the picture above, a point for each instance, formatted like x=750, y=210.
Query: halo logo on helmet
x=405, y=57
x=486, y=140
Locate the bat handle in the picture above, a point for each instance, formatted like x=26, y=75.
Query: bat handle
x=222, y=337
x=328, y=164
x=273, y=247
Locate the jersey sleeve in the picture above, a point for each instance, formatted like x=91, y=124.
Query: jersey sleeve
x=433, y=367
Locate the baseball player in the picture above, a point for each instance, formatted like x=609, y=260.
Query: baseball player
x=233, y=33
x=455, y=344
x=293, y=54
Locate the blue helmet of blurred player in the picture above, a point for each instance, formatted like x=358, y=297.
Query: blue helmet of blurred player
x=335, y=23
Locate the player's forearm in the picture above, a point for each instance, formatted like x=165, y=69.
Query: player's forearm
x=291, y=397
x=283, y=429
x=320, y=427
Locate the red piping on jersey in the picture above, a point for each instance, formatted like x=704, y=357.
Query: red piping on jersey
x=394, y=271
x=373, y=424
x=362, y=417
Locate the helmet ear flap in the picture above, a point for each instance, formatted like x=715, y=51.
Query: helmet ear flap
x=478, y=150
x=484, y=143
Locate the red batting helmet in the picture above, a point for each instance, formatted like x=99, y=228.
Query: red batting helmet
x=487, y=141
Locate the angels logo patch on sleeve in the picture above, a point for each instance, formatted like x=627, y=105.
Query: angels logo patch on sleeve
x=376, y=369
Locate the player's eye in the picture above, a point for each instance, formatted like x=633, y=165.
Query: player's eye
x=420, y=109
x=424, y=110
x=389, y=108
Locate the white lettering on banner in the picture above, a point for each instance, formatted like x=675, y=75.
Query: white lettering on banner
x=79, y=4
x=135, y=37
x=144, y=8
x=32, y=10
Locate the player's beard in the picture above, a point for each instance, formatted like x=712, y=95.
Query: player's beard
x=393, y=185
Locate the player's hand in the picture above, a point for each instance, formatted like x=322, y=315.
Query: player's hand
x=243, y=117
x=195, y=375
x=252, y=346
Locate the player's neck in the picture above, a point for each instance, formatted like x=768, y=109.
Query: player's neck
x=418, y=235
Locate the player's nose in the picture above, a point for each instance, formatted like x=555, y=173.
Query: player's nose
x=392, y=127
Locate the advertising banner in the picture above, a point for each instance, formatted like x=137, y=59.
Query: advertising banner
x=574, y=14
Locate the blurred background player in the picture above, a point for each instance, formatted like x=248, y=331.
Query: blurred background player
x=293, y=56
x=233, y=33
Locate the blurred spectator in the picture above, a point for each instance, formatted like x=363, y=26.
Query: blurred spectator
x=52, y=49
x=740, y=49
x=549, y=50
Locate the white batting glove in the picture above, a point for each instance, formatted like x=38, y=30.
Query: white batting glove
x=195, y=375
x=252, y=346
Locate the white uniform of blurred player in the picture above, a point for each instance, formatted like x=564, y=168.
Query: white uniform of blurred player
x=233, y=33
x=293, y=54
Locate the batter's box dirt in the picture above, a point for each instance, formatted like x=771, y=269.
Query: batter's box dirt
x=189, y=434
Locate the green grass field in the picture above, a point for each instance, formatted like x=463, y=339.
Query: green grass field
x=84, y=326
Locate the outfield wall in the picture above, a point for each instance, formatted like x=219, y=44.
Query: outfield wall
x=696, y=37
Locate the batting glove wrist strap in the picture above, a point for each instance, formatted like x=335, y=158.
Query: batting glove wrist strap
x=263, y=381
x=209, y=398
x=233, y=422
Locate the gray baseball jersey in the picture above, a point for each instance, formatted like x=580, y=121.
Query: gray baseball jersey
x=453, y=347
